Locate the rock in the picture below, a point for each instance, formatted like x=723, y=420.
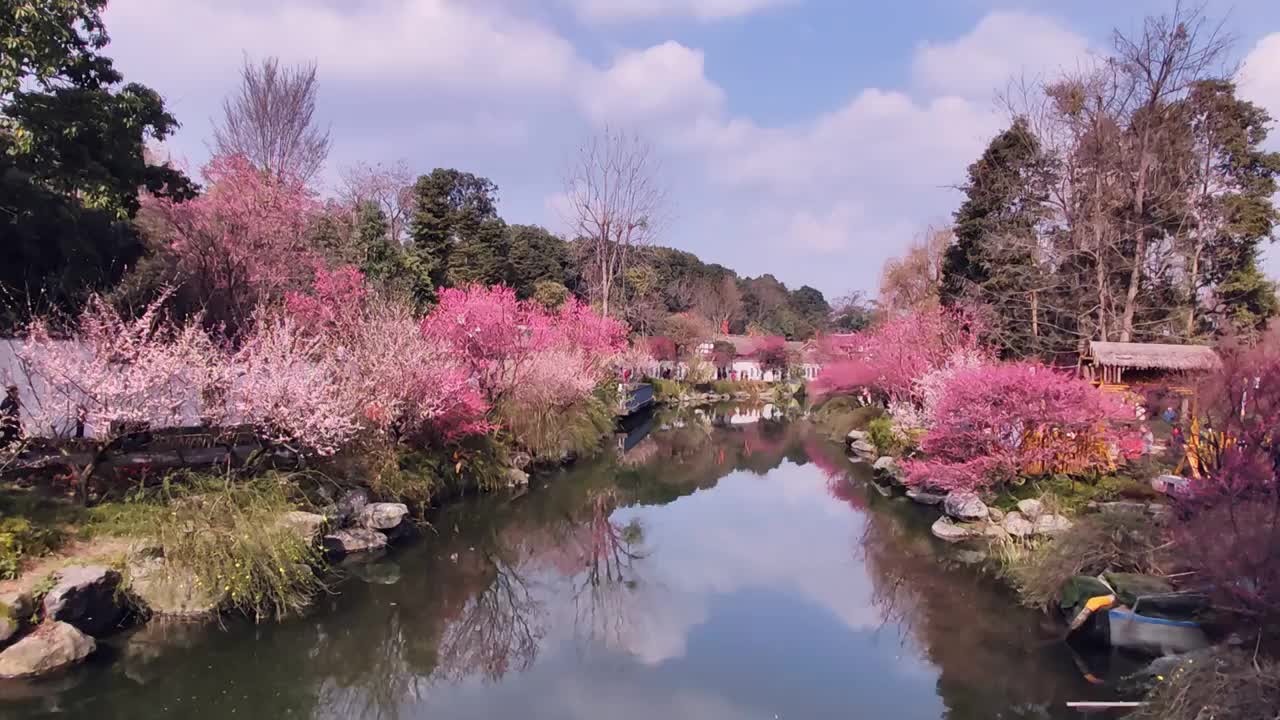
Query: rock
x=1051, y=525
x=517, y=477
x=351, y=503
x=8, y=628
x=1175, y=485
x=1158, y=511
x=863, y=449
x=85, y=596
x=1123, y=507
x=52, y=647
x=965, y=506
x=16, y=609
x=1018, y=526
x=171, y=591
x=995, y=514
x=924, y=497
x=953, y=532
x=353, y=540
x=886, y=464
x=382, y=516
x=855, y=436
x=1030, y=509
x=306, y=525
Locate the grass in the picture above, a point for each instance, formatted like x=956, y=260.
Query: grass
x=32, y=524
x=666, y=390
x=881, y=434
x=549, y=435
x=1118, y=542
x=1072, y=495
x=227, y=535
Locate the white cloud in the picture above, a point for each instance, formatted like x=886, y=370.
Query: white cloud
x=666, y=81
x=617, y=11
x=460, y=45
x=1003, y=45
x=1260, y=80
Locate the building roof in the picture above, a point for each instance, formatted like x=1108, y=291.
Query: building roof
x=1154, y=356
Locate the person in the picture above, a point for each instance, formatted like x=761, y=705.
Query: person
x=10, y=423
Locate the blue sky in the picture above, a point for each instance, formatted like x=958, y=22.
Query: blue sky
x=811, y=139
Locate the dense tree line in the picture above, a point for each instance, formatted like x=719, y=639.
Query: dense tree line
x=1125, y=202
x=85, y=208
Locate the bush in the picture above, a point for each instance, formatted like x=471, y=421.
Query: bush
x=551, y=433
x=228, y=534
x=881, y=433
x=1227, y=684
x=30, y=526
x=993, y=423
x=1119, y=542
x=666, y=390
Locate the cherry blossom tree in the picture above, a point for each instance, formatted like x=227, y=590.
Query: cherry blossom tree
x=890, y=358
x=116, y=376
x=243, y=242
x=992, y=422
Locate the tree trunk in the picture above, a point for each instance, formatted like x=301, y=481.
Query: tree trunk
x=1139, y=244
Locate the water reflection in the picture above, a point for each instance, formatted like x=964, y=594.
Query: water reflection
x=723, y=565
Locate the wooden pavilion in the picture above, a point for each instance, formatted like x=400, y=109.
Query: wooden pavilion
x=1121, y=363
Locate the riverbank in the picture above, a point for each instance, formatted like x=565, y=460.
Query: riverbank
x=724, y=560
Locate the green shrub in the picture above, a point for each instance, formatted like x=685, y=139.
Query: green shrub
x=226, y=533
x=31, y=525
x=881, y=433
x=550, y=434
x=841, y=414
x=666, y=390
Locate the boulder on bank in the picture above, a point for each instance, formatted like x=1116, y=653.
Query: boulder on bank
x=517, y=477
x=855, y=436
x=925, y=497
x=1051, y=524
x=863, y=449
x=887, y=465
x=86, y=597
x=965, y=506
x=307, y=526
x=382, y=516
x=1123, y=507
x=951, y=531
x=169, y=591
x=1030, y=509
x=1018, y=526
x=15, y=608
x=53, y=646
x=353, y=540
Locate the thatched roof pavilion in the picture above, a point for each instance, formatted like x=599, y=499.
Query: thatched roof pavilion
x=1107, y=362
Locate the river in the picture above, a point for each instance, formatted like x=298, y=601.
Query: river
x=720, y=567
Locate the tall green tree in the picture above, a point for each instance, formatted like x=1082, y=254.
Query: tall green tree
x=534, y=256
x=1230, y=210
x=994, y=260
x=72, y=158
x=456, y=212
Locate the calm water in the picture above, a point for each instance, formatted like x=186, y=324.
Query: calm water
x=726, y=570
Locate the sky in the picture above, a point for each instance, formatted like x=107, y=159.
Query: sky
x=810, y=139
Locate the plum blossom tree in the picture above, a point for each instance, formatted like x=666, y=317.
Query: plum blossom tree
x=993, y=422
x=1227, y=529
x=498, y=337
x=403, y=383
x=890, y=358
x=118, y=376
x=243, y=242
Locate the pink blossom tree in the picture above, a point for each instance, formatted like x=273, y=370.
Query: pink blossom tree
x=117, y=376
x=1227, y=529
x=993, y=422
x=890, y=358
x=497, y=337
x=242, y=242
